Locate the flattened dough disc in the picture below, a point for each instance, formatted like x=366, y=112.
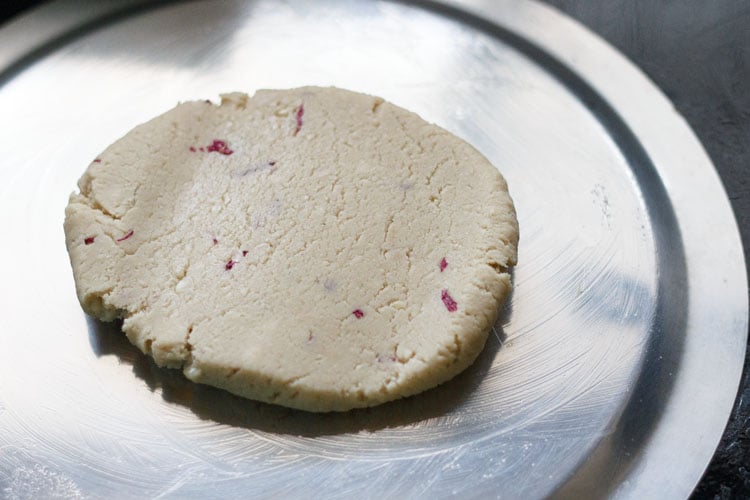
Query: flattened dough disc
x=314, y=248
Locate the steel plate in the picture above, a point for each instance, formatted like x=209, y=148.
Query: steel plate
x=612, y=370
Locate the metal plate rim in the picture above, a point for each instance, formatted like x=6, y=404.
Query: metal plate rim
x=637, y=99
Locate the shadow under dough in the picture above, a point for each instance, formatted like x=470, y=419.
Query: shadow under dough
x=214, y=404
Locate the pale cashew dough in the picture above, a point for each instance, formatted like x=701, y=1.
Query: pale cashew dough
x=313, y=248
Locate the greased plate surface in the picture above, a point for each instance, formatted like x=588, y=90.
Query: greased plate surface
x=612, y=369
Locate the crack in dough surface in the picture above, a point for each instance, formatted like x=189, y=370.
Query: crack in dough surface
x=296, y=261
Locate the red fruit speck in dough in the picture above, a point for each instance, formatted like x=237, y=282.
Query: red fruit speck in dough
x=229, y=265
x=215, y=241
x=298, y=117
x=127, y=235
x=98, y=160
x=218, y=146
x=358, y=313
x=443, y=264
x=450, y=304
x=244, y=253
x=89, y=240
x=192, y=148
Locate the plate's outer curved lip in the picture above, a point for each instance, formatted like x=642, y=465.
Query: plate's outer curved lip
x=28, y=35
x=716, y=331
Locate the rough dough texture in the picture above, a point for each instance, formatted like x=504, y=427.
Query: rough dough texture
x=314, y=248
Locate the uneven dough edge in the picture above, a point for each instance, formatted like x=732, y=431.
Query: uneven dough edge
x=479, y=312
x=296, y=395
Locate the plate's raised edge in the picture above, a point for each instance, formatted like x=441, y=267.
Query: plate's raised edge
x=717, y=319
x=28, y=36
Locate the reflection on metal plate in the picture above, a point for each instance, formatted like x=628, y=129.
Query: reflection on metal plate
x=629, y=307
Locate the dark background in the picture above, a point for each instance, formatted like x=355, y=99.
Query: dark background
x=698, y=53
